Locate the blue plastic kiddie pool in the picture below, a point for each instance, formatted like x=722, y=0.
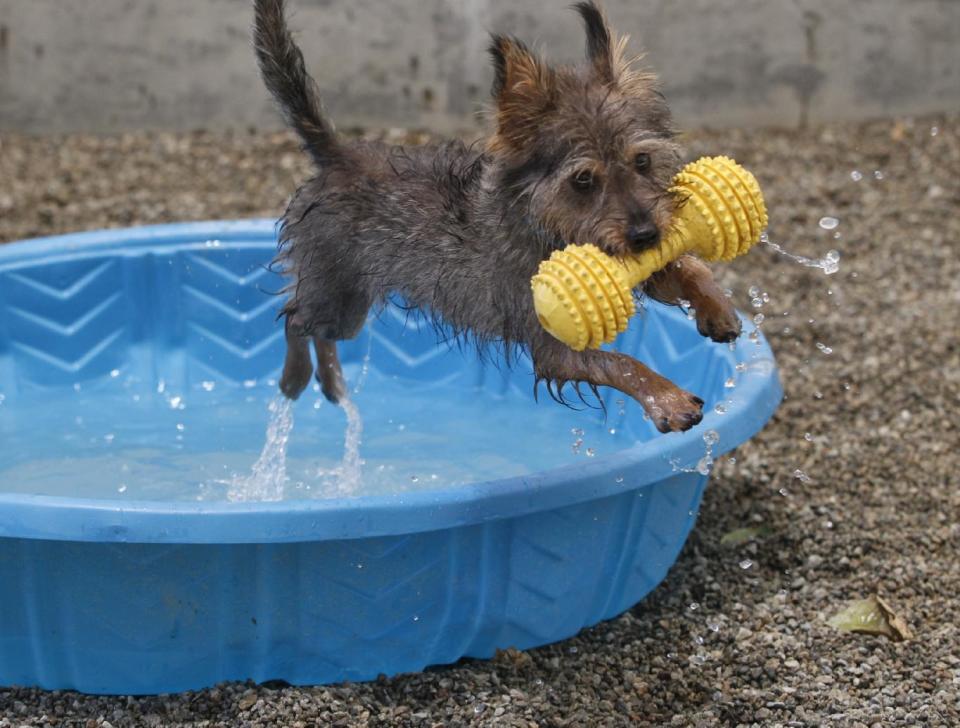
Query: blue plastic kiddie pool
x=136, y=371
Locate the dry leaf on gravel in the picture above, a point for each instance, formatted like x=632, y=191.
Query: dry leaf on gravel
x=871, y=616
x=743, y=535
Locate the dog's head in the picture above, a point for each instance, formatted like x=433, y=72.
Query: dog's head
x=588, y=150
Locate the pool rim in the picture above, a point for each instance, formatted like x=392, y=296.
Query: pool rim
x=751, y=404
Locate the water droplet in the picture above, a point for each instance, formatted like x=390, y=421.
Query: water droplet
x=181, y=427
x=699, y=639
x=114, y=373
x=249, y=383
x=175, y=402
x=612, y=430
x=824, y=348
x=746, y=564
x=590, y=452
x=758, y=319
x=878, y=174
x=753, y=291
x=831, y=262
x=576, y=432
x=828, y=223
x=741, y=366
x=416, y=618
x=704, y=464
x=732, y=460
x=208, y=386
x=713, y=627
x=414, y=479
x=808, y=437
x=784, y=492
x=693, y=606
x=934, y=130
x=711, y=438
x=122, y=488
x=720, y=408
x=618, y=479
x=856, y=175
x=729, y=383
x=828, y=524
x=478, y=708
x=573, y=649
x=108, y=438
x=802, y=476
x=161, y=387
x=756, y=302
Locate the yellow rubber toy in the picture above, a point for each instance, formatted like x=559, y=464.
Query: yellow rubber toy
x=584, y=297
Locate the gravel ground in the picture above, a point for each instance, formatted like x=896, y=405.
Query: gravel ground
x=736, y=634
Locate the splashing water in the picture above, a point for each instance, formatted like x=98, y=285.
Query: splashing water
x=829, y=264
x=705, y=464
x=344, y=479
x=268, y=476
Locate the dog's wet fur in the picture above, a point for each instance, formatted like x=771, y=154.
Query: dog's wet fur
x=578, y=155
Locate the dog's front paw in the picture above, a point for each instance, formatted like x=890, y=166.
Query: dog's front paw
x=719, y=323
x=675, y=410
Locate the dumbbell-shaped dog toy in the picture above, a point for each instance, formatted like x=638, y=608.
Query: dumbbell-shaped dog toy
x=584, y=297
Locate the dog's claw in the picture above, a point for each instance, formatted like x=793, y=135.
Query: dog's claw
x=332, y=386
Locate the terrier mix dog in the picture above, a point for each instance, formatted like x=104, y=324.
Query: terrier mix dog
x=579, y=155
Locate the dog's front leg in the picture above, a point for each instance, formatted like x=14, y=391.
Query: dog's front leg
x=688, y=278
x=670, y=407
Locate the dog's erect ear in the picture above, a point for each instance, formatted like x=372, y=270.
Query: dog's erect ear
x=606, y=53
x=600, y=52
x=524, y=89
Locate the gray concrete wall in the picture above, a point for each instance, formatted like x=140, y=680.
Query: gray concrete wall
x=107, y=65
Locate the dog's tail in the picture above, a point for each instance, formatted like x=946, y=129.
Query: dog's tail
x=285, y=75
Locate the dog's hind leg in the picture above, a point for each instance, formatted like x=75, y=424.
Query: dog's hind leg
x=353, y=314
x=297, y=366
x=329, y=373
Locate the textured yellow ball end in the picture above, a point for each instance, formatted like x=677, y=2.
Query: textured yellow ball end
x=557, y=312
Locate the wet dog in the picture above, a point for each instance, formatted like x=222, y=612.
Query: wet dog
x=578, y=155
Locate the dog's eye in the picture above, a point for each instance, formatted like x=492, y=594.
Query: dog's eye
x=582, y=181
x=642, y=162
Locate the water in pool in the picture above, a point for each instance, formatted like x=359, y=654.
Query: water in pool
x=203, y=443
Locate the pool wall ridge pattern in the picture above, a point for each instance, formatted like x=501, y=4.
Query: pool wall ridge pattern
x=79, y=319
x=220, y=612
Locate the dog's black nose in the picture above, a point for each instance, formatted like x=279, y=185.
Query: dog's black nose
x=643, y=236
